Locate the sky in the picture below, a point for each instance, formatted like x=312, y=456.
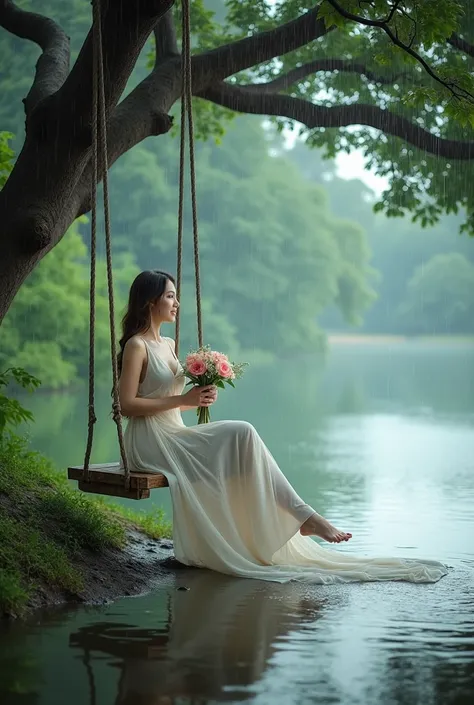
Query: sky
x=348, y=166
x=352, y=166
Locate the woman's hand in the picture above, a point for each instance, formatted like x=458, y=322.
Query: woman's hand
x=200, y=396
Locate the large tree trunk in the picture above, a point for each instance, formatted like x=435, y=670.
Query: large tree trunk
x=48, y=187
x=37, y=206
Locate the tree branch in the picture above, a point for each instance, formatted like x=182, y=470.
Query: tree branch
x=286, y=80
x=125, y=28
x=392, y=12
x=35, y=203
x=459, y=43
x=315, y=116
x=165, y=38
x=457, y=91
x=52, y=66
x=144, y=111
x=217, y=64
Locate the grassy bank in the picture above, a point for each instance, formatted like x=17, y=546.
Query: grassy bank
x=52, y=537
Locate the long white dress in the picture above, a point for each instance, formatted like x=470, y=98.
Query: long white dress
x=233, y=509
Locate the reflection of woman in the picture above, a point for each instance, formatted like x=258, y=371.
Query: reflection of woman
x=222, y=633
x=233, y=509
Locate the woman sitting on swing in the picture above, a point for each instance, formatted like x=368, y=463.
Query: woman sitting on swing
x=233, y=509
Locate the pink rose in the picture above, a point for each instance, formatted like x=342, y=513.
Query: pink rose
x=219, y=357
x=196, y=367
x=224, y=369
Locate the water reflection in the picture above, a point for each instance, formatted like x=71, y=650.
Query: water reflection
x=408, y=376
x=233, y=640
x=217, y=641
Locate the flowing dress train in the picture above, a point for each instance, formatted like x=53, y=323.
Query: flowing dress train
x=233, y=509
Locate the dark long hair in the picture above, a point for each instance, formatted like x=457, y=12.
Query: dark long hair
x=146, y=288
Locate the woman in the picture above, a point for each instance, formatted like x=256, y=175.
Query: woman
x=233, y=509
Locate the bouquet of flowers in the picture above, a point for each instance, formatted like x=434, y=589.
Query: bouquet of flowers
x=205, y=366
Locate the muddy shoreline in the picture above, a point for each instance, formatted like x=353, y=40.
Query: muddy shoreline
x=111, y=574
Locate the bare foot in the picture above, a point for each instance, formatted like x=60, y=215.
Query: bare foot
x=317, y=525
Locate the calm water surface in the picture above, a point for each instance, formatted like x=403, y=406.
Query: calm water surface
x=381, y=440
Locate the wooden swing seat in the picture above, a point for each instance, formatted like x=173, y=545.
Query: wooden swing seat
x=108, y=479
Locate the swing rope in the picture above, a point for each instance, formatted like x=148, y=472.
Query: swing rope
x=99, y=151
x=100, y=169
x=187, y=117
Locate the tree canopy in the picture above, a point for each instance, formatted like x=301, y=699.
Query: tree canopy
x=391, y=77
x=440, y=297
x=394, y=79
x=399, y=251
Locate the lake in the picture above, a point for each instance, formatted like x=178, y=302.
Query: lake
x=379, y=438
